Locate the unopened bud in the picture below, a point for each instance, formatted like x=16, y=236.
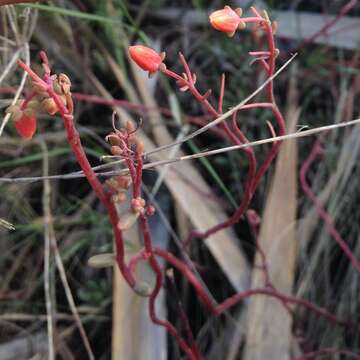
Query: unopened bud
x=147, y=58
x=150, y=210
x=225, y=20
x=138, y=204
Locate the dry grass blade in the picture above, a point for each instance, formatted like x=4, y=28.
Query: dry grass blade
x=269, y=323
x=5, y=224
x=133, y=333
x=47, y=255
x=51, y=241
x=157, y=163
x=70, y=299
x=19, y=90
x=332, y=192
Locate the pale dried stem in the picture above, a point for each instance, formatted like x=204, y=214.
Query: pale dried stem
x=19, y=90
x=194, y=156
x=70, y=299
x=47, y=254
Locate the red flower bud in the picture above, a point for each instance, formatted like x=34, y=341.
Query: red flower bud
x=225, y=20
x=26, y=126
x=148, y=59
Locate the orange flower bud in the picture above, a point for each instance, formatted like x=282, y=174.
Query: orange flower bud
x=150, y=210
x=225, y=20
x=138, y=204
x=26, y=126
x=147, y=58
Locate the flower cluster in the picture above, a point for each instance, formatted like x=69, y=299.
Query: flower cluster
x=126, y=145
x=24, y=112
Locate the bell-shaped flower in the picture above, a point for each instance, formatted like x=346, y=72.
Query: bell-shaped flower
x=226, y=20
x=147, y=58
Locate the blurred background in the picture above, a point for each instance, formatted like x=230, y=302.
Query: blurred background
x=58, y=224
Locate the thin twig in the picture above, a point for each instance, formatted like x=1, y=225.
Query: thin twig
x=50, y=240
x=7, y=225
x=10, y=64
x=153, y=164
x=47, y=240
x=70, y=299
x=225, y=115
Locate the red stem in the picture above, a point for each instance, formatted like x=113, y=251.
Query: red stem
x=329, y=225
x=136, y=175
x=75, y=143
x=27, y=100
x=149, y=254
x=253, y=177
x=235, y=299
x=345, y=9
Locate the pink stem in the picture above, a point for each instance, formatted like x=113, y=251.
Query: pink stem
x=346, y=8
x=149, y=253
x=27, y=100
x=329, y=225
x=75, y=143
x=136, y=175
x=235, y=299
